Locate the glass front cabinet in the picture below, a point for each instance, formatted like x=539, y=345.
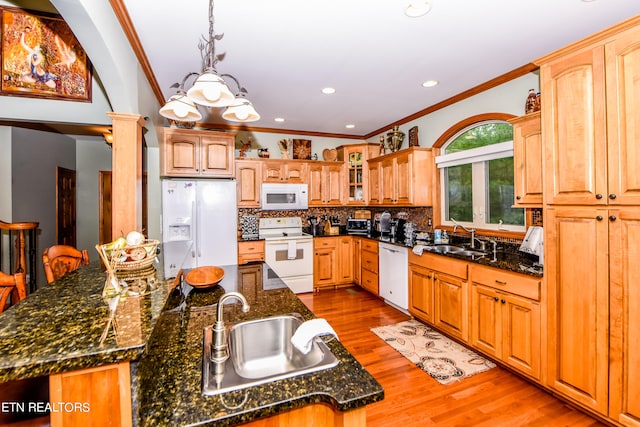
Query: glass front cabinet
x=355, y=157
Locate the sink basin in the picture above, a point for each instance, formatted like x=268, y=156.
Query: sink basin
x=448, y=249
x=470, y=253
x=260, y=351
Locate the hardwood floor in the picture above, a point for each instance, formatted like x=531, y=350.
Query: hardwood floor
x=413, y=398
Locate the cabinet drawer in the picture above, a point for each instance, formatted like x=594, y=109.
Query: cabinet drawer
x=325, y=242
x=450, y=266
x=514, y=283
x=370, y=261
x=370, y=281
x=369, y=245
x=251, y=247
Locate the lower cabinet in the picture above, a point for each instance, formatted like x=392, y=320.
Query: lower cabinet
x=250, y=250
x=438, y=293
x=357, y=260
x=505, y=318
x=332, y=261
x=369, y=265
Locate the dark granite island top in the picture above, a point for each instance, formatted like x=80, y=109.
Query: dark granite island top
x=170, y=372
x=58, y=329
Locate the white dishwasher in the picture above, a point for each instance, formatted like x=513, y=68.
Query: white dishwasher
x=393, y=275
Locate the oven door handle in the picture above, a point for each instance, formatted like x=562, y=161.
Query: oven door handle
x=284, y=242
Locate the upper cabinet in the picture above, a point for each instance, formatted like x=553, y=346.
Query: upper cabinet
x=527, y=160
x=591, y=121
x=249, y=175
x=284, y=171
x=197, y=153
x=355, y=158
x=326, y=183
x=402, y=178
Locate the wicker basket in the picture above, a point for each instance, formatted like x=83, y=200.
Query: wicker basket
x=130, y=258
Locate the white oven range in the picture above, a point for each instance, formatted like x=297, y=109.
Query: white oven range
x=288, y=252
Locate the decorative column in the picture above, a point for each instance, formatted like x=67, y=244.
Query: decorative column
x=126, y=173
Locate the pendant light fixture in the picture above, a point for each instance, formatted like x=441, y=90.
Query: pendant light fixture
x=209, y=89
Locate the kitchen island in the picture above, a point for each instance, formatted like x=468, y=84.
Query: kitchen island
x=56, y=332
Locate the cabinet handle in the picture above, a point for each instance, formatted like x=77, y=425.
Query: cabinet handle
x=612, y=196
x=500, y=282
x=598, y=196
x=518, y=197
x=612, y=218
x=599, y=218
x=503, y=301
x=496, y=299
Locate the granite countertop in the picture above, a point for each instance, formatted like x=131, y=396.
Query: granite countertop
x=58, y=328
x=508, y=257
x=170, y=373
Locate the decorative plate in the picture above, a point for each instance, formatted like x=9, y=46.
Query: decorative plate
x=330, y=155
x=204, y=277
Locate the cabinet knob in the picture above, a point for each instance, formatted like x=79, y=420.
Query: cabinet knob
x=599, y=218
x=518, y=197
x=598, y=196
x=496, y=299
x=612, y=196
x=612, y=218
x=503, y=301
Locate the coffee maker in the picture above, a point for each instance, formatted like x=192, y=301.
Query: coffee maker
x=396, y=229
x=382, y=223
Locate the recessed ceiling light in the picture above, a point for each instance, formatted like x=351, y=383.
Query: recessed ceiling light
x=416, y=9
x=350, y=126
x=328, y=90
x=429, y=83
x=278, y=119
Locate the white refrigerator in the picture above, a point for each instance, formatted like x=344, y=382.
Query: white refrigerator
x=199, y=223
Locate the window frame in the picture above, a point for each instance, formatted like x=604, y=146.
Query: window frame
x=480, y=157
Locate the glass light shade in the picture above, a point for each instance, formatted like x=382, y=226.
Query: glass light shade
x=241, y=111
x=210, y=90
x=180, y=108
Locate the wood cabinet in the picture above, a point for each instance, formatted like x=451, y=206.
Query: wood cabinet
x=197, y=154
x=369, y=263
x=250, y=250
x=249, y=177
x=590, y=110
x=402, y=178
x=284, y=171
x=355, y=158
x=527, y=160
x=357, y=260
x=326, y=183
x=332, y=261
x=505, y=317
x=438, y=293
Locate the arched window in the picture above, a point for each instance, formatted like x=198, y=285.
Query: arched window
x=476, y=171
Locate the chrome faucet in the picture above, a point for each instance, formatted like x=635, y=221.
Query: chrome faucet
x=220, y=351
x=471, y=231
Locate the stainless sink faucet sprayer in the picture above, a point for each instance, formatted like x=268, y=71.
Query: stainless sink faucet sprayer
x=220, y=351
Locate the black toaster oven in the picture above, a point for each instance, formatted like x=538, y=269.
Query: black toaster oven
x=358, y=226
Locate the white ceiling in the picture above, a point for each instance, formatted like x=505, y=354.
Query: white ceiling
x=285, y=51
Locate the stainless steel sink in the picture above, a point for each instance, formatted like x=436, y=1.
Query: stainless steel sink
x=470, y=253
x=260, y=351
x=447, y=249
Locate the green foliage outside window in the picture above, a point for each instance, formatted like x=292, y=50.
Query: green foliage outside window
x=480, y=136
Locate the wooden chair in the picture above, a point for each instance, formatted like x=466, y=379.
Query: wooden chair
x=14, y=285
x=58, y=260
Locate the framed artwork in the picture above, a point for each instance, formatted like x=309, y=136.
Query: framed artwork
x=41, y=58
x=413, y=137
x=302, y=149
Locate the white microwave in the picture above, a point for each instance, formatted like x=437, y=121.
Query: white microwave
x=284, y=196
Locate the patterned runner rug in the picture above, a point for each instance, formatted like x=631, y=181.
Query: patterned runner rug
x=445, y=360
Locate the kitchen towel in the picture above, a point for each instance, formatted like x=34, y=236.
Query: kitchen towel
x=302, y=339
x=292, y=249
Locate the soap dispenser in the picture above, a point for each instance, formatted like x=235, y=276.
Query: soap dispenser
x=445, y=238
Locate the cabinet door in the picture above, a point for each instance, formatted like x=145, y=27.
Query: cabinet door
x=249, y=176
x=486, y=320
x=357, y=261
x=623, y=117
x=334, y=184
x=295, y=172
x=520, y=334
x=527, y=161
x=181, y=155
x=404, y=179
x=324, y=262
x=578, y=306
x=375, y=196
x=344, y=273
x=216, y=156
x=574, y=128
x=315, y=178
x=624, y=388
x=273, y=171
x=388, y=181
x=451, y=300
x=421, y=293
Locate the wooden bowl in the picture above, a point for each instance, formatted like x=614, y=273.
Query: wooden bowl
x=330, y=155
x=204, y=277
